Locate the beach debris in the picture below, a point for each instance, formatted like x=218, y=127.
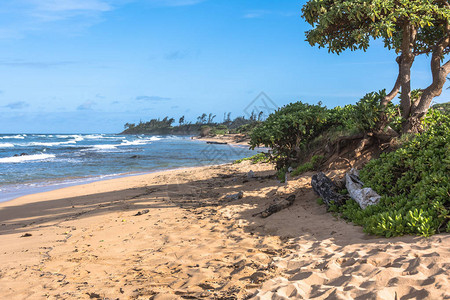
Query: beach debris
x=251, y=174
x=276, y=207
x=325, y=188
x=364, y=196
x=236, y=196
x=26, y=235
x=142, y=212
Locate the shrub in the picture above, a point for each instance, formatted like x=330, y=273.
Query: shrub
x=257, y=158
x=289, y=129
x=220, y=130
x=414, y=184
x=367, y=114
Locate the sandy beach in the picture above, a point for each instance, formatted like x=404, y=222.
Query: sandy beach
x=231, y=139
x=175, y=235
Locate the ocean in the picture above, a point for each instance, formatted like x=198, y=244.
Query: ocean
x=32, y=163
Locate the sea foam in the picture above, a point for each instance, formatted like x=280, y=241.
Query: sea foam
x=6, y=145
x=18, y=159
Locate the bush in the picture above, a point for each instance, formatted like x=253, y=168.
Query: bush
x=414, y=184
x=367, y=114
x=219, y=130
x=289, y=129
x=257, y=158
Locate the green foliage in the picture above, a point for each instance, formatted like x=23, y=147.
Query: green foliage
x=320, y=201
x=281, y=174
x=414, y=184
x=442, y=107
x=312, y=165
x=156, y=126
x=257, y=158
x=289, y=129
x=219, y=130
x=351, y=24
x=367, y=114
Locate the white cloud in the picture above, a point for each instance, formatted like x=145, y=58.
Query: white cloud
x=20, y=17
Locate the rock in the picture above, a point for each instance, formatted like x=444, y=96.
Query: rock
x=258, y=277
x=26, y=235
x=142, y=212
x=325, y=188
x=21, y=154
x=235, y=196
x=251, y=174
x=217, y=143
x=290, y=169
x=364, y=196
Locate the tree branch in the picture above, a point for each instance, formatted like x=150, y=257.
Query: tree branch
x=439, y=74
x=397, y=85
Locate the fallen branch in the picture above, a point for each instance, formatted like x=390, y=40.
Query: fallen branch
x=276, y=207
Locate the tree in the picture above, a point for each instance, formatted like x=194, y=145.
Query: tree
x=201, y=119
x=181, y=121
x=409, y=27
x=211, y=118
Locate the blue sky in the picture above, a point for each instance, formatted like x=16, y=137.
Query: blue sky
x=92, y=65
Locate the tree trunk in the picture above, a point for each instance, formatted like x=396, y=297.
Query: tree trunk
x=439, y=73
x=408, y=39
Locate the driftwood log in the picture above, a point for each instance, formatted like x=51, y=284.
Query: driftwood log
x=325, y=188
x=357, y=191
x=276, y=207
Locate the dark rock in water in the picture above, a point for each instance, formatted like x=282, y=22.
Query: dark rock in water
x=217, y=143
x=326, y=189
x=142, y=212
x=21, y=154
x=135, y=156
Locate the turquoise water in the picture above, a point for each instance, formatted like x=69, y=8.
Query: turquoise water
x=31, y=163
